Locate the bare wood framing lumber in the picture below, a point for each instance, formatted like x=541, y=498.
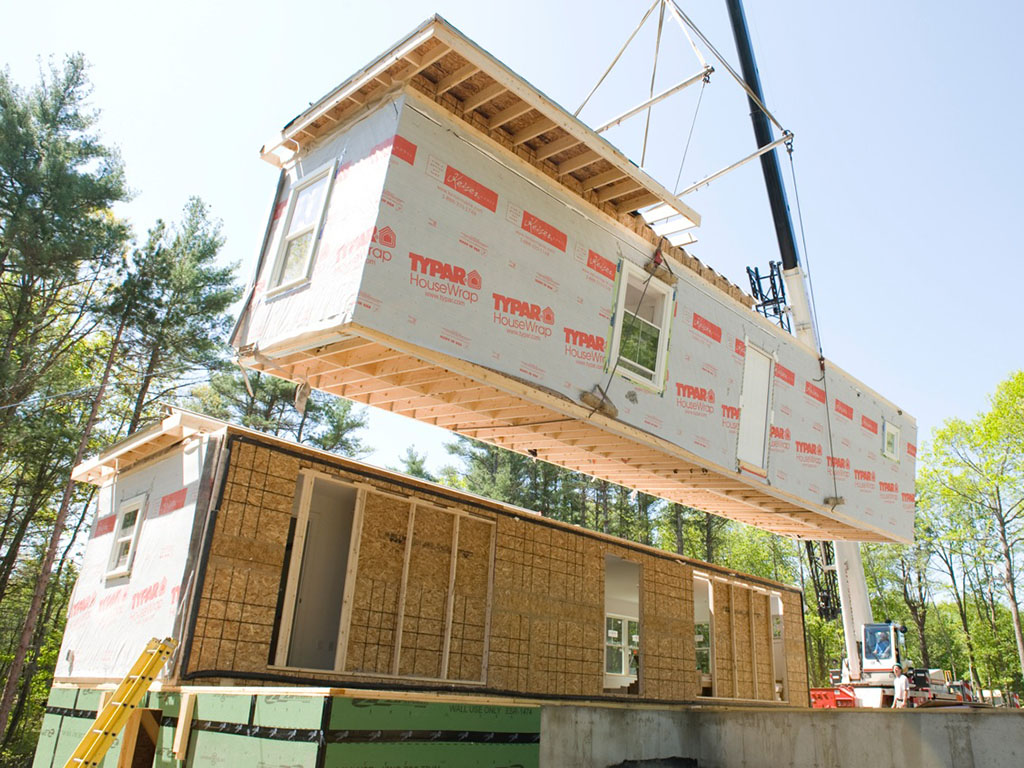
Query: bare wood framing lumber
x=460, y=75
x=484, y=95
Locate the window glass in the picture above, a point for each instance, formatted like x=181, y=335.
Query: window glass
x=613, y=646
x=641, y=327
x=300, y=237
x=307, y=206
x=702, y=641
x=126, y=532
x=633, y=641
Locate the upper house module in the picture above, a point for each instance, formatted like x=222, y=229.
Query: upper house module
x=449, y=244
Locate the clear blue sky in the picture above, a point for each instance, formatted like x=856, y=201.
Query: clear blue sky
x=907, y=115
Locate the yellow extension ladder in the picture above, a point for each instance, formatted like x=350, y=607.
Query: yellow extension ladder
x=112, y=717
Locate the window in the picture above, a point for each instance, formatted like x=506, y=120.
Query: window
x=302, y=227
x=890, y=440
x=702, y=618
x=126, y=536
x=640, y=333
x=622, y=648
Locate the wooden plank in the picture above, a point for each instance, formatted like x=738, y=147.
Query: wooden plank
x=509, y=113
x=184, y=726
x=533, y=130
x=618, y=190
x=554, y=147
x=449, y=608
x=400, y=619
x=636, y=203
x=574, y=163
x=129, y=738
x=351, y=574
x=600, y=179
x=459, y=75
x=481, y=97
x=732, y=637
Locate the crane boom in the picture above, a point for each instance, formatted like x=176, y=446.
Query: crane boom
x=849, y=568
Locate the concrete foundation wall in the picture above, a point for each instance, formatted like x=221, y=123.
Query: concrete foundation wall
x=749, y=738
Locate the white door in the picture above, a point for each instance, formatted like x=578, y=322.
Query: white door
x=755, y=398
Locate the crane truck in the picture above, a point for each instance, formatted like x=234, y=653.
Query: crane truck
x=868, y=672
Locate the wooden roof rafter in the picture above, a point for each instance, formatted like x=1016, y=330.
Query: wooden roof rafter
x=488, y=406
x=440, y=62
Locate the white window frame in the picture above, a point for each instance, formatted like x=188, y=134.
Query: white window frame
x=135, y=504
x=888, y=428
x=628, y=271
x=324, y=171
x=624, y=647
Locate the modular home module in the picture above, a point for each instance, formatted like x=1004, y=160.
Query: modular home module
x=449, y=244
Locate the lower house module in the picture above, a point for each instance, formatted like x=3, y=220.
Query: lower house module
x=361, y=600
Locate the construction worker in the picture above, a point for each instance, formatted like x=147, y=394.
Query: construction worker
x=902, y=688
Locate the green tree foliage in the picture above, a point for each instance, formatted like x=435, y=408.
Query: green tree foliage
x=58, y=240
x=267, y=403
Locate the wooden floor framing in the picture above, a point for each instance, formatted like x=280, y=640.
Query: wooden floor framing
x=377, y=370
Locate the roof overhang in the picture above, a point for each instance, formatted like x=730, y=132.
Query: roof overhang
x=141, y=445
x=441, y=62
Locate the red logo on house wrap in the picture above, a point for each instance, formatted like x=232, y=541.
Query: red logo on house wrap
x=173, y=501
x=908, y=498
x=740, y=348
x=706, y=327
x=440, y=280
x=814, y=392
x=869, y=425
x=385, y=236
x=601, y=265
x=698, y=400
x=404, y=149
x=911, y=449
x=584, y=348
x=888, y=489
x=784, y=374
x=544, y=231
x=471, y=188
x=522, y=318
x=843, y=409
x=808, y=453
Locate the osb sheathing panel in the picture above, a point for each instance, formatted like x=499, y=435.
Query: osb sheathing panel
x=469, y=604
x=426, y=596
x=667, y=656
x=371, y=644
x=547, y=602
x=743, y=660
x=548, y=611
x=796, y=659
x=235, y=620
x=763, y=647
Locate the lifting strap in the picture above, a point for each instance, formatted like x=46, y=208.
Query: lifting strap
x=113, y=716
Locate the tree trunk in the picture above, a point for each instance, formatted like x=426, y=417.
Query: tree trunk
x=147, y=380
x=32, y=619
x=1011, y=589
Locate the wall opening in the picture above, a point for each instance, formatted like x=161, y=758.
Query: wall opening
x=703, y=625
x=779, y=650
x=317, y=574
x=622, y=625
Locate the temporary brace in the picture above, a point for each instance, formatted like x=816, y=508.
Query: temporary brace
x=113, y=716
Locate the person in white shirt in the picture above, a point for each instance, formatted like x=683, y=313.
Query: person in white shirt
x=902, y=688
